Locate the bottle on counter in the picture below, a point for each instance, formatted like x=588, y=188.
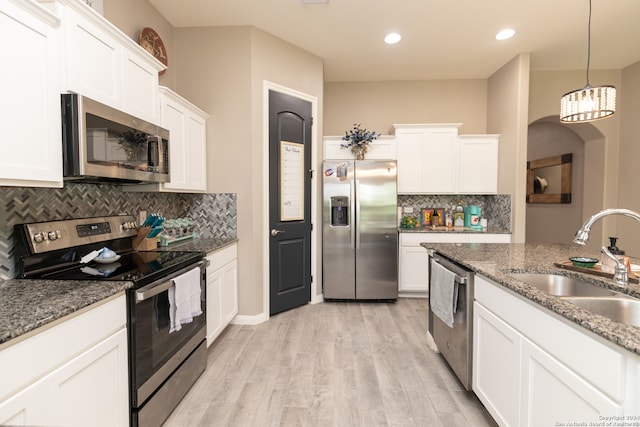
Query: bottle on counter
x=458, y=217
x=448, y=219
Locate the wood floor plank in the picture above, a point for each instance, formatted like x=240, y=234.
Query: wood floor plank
x=330, y=364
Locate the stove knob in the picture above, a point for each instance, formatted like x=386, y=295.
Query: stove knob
x=39, y=237
x=129, y=226
x=52, y=235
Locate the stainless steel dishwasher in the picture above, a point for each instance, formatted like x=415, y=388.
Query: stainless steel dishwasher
x=455, y=343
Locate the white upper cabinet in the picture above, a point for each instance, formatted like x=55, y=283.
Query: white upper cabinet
x=427, y=158
x=30, y=151
x=434, y=159
x=104, y=64
x=188, y=143
x=187, y=125
x=478, y=164
x=382, y=148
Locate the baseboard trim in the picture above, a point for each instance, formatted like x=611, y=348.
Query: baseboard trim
x=242, y=319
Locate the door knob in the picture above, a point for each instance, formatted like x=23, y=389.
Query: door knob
x=275, y=232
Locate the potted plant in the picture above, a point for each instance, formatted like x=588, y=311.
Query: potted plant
x=358, y=140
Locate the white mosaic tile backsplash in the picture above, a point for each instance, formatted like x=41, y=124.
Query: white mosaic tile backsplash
x=496, y=208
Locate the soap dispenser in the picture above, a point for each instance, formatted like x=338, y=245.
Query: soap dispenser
x=609, y=265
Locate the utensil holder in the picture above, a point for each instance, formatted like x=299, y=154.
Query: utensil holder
x=142, y=243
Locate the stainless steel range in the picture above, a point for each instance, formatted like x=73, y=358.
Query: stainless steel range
x=163, y=362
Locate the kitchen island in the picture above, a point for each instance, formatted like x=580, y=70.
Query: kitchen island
x=497, y=261
x=539, y=359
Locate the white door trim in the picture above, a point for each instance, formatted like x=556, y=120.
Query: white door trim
x=267, y=86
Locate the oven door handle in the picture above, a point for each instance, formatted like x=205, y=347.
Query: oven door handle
x=165, y=283
x=460, y=280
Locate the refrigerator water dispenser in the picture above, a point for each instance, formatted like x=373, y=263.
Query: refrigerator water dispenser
x=339, y=211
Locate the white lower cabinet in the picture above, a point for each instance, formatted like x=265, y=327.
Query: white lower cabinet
x=413, y=271
x=533, y=368
x=496, y=366
x=73, y=374
x=222, y=290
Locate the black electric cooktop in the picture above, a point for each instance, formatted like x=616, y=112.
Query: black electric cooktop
x=139, y=267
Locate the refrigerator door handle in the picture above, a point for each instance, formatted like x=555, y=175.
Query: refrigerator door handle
x=357, y=202
x=352, y=214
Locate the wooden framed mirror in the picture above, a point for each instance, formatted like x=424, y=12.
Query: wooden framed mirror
x=549, y=179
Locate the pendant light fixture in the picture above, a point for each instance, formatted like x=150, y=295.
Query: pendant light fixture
x=591, y=102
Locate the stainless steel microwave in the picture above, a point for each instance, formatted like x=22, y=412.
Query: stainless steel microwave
x=101, y=143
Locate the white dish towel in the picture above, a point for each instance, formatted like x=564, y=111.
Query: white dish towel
x=443, y=294
x=184, y=299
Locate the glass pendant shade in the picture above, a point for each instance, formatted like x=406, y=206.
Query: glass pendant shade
x=587, y=104
x=591, y=102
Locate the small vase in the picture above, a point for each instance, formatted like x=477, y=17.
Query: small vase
x=359, y=152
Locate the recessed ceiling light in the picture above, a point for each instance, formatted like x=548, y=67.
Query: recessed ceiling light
x=505, y=34
x=392, y=38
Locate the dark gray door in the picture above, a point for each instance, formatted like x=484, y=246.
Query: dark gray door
x=289, y=201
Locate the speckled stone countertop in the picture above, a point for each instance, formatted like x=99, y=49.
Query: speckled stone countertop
x=200, y=245
x=496, y=261
x=453, y=230
x=26, y=305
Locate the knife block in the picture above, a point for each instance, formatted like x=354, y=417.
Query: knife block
x=143, y=243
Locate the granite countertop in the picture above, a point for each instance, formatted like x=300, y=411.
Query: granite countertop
x=26, y=305
x=454, y=230
x=200, y=244
x=496, y=261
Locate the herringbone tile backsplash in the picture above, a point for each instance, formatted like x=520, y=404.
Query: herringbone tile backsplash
x=215, y=215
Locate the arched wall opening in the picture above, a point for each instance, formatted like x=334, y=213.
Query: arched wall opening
x=557, y=223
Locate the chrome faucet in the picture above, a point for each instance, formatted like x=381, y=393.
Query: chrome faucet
x=621, y=274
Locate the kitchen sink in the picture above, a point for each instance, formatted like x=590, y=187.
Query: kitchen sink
x=619, y=309
x=562, y=286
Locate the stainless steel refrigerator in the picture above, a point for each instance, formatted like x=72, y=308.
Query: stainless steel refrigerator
x=359, y=232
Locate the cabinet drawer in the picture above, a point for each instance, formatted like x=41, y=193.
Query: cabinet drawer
x=222, y=256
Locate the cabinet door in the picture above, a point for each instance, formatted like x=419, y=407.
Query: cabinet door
x=196, y=153
x=478, y=164
x=29, y=407
x=187, y=147
x=496, y=366
x=427, y=159
x=93, y=388
x=410, y=161
x=30, y=152
x=140, y=88
x=93, y=60
x=414, y=269
x=229, y=296
x=214, y=305
x=440, y=161
x=551, y=392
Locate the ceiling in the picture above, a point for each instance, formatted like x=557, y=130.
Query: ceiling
x=446, y=39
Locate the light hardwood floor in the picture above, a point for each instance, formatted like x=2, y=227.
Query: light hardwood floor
x=330, y=364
